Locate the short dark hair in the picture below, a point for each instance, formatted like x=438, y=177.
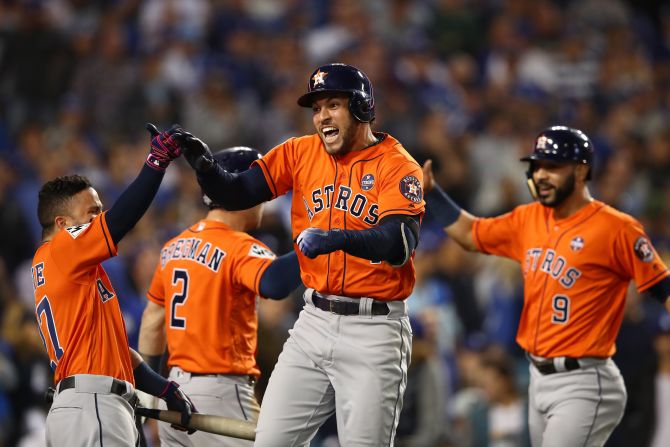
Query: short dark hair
x=55, y=195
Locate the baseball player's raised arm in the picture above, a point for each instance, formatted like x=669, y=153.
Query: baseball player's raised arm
x=234, y=191
x=457, y=222
x=135, y=200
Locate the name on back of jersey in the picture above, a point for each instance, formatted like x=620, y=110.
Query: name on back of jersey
x=551, y=263
x=193, y=249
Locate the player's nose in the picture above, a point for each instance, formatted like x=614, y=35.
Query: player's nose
x=323, y=114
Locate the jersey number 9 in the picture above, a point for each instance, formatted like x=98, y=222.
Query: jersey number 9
x=561, y=306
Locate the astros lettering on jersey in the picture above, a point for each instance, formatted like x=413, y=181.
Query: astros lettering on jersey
x=72, y=292
x=353, y=197
x=208, y=278
x=576, y=272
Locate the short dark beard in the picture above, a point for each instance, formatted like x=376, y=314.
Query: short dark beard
x=562, y=192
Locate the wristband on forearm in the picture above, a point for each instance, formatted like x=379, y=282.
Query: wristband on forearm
x=441, y=207
x=149, y=381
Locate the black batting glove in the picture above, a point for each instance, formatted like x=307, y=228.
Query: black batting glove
x=313, y=242
x=197, y=153
x=165, y=147
x=178, y=401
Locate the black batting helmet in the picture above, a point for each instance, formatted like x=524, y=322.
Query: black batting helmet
x=233, y=159
x=563, y=145
x=343, y=78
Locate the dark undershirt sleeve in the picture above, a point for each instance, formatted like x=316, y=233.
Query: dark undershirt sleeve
x=133, y=203
x=235, y=191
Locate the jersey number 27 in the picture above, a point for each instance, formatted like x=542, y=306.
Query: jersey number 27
x=44, y=310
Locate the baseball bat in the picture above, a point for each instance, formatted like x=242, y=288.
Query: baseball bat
x=205, y=422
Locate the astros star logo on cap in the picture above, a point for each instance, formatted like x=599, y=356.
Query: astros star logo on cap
x=319, y=77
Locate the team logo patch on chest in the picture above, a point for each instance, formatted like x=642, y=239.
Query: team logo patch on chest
x=410, y=188
x=577, y=243
x=643, y=249
x=367, y=182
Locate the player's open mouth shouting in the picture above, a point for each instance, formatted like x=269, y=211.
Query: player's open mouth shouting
x=329, y=134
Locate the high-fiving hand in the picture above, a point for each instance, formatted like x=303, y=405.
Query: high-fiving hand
x=165, y=147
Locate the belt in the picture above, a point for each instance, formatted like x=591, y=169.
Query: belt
x=251, y=380
x=118, y=387
x=346, y=307
x=548, y=367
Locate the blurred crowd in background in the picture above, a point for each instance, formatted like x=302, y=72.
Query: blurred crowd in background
x=466, y=83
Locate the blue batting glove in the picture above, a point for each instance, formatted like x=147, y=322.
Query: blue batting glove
x=313, y=242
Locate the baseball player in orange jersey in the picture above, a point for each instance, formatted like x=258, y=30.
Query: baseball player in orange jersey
x=356, y=207
x=204, y=296
x=577, y=257
x=78, y=311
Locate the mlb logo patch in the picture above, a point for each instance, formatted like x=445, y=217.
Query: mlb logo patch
x=76, y=230
x=410, y=188
x=577, y=243
x=367, y=182
x=261, y=252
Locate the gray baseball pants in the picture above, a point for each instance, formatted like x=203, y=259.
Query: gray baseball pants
x=576, y=408
x=354, y=365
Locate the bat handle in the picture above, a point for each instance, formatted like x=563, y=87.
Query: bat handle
x=147, y=412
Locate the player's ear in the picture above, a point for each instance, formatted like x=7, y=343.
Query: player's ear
x=60, y=222
x=582, y=172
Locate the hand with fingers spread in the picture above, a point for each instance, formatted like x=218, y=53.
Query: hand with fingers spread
x=165, y=146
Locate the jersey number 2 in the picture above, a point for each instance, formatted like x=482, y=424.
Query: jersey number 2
x=44, y=307
x=179, y=298
x=561, y=306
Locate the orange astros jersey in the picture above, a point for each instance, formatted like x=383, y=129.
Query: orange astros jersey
x=207, y=279
x=77, y=308
x=353, y=192
x=576, y=273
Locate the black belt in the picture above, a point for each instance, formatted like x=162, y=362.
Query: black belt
x=347, y=307
x=547, y=366
x=251, y=380
x=118, y=386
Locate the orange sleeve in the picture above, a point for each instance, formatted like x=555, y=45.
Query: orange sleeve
x=251, y=259
x=402, y=190
x=277, y=166
x=637, y=257
x=156, y=291
x=78, y=248
x=500, y=235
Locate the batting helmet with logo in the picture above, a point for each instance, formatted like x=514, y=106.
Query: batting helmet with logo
x=563, y=145
x=342, y=78
x=233, y=159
